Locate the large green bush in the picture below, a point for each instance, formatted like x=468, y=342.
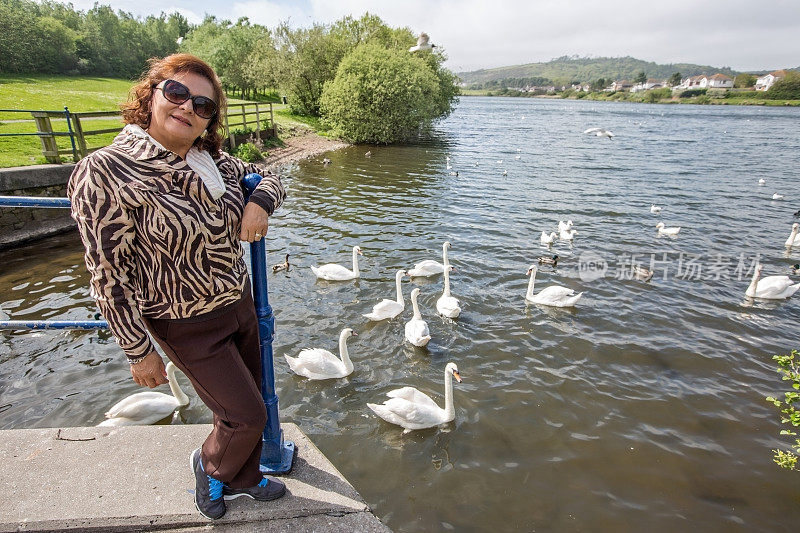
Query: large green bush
x=382, y=95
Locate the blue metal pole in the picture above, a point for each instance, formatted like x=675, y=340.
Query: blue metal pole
x=277, y=455
x=33, y=201
x=53, y=324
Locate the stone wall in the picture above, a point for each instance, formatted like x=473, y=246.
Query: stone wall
x=19, y=225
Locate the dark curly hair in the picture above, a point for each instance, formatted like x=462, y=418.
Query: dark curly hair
x=137, y=109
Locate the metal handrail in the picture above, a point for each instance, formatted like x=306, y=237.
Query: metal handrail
x=277, y=455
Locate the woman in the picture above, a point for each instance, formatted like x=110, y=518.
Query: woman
x=161, y=212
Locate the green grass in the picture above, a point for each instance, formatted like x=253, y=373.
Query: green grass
x=52, y=93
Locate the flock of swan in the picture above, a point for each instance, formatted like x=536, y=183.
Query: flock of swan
x=408, y=407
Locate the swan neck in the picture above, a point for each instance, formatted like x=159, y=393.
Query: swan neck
x=446, y=281
x=175, y=387
x=445, y=261
x=531, y=283
x=449, y=408
x=355, y=262
x=751, y=290
x=417, y=314
x=399, y=285
x=343, y=353
x=792, y=235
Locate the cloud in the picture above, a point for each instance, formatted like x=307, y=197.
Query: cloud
x=480, y=34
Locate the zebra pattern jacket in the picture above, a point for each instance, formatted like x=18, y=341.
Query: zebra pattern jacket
x=157, y=244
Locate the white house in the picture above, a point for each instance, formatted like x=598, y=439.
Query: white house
x=768, y=80
x=719, y=81
x=649, y=84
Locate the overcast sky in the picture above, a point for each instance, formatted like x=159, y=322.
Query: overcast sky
x=741, y=34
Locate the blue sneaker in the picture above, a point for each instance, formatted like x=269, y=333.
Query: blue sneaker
x=267, y=489
x=207, y=490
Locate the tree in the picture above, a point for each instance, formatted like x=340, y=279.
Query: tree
x=675, y=79
x=744, y=81
x=599, y=84
x=641, y=77
x=382, y=95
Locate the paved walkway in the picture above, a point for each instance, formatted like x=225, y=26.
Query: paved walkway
x=138, y=478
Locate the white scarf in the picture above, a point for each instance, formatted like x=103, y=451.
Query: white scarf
x=198, y=160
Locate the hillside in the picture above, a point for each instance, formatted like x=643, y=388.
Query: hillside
x=566, y=69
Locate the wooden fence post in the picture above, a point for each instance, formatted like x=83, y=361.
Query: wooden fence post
x=230, y=134
x=272, y=121
x=79, y=137
x=49, y=146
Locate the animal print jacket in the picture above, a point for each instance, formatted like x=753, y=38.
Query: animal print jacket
x=157, y=243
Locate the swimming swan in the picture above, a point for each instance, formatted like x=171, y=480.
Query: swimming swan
x=316, y=363
x=417, y=332
x=663, y=230
x=429, y=267
x=794, y=238
x=554, y=295
x=333, y=272
x=447, y=305
x=389, y=308
x=411, y=409
x=144, y=408
x=655, y=209
x=771, y=287
x=548, y=239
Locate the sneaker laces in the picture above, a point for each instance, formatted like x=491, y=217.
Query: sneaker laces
x=263, y=482
x=214, y=488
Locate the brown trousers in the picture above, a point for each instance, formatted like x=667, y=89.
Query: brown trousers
x=219, y=353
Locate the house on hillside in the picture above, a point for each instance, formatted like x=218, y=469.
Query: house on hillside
x=623, y=85
x=766, y=81
x=717, y=81
x=649, y=84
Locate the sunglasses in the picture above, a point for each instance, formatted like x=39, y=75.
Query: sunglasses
x=178, y=93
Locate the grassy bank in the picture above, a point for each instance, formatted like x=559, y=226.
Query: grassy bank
x=80, y=94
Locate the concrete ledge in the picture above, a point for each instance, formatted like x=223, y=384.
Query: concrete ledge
x=15, y=178
x=138, y=478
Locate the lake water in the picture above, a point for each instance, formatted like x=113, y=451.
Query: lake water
x=643, y=407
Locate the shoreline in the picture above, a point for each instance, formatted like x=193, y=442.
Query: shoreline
x=678, y=101
x=304, y=145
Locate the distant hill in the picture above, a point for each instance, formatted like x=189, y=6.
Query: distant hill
x=566, y=69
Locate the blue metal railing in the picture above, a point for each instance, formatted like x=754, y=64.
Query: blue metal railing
x=277, y=455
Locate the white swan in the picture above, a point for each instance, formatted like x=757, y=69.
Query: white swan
x=548, y=239
x=429, y=267
x=411, y=409
x=600, y=132
x=663, y=230
x=554, y=295
x=762, y=181
x=417, y=332
x=447, y=305
x=777, y=196
x=771, y=287
x=316, y=363
x=564, y=226
x=145, y=408
x=567, y=235
x=389, y=308
x=655, y=209
x=794, y=238
x=334, y=272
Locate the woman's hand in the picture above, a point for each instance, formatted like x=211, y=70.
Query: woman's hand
x=150, y=372
x=255, y=223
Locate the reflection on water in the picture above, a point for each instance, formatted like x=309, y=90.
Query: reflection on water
x=641, y=408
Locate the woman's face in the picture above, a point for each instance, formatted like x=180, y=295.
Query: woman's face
x=176, y=126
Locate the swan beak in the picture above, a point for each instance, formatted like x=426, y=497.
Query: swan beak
x=528, y=273
x=359, y=252
x=355, y=334
x=457, y=375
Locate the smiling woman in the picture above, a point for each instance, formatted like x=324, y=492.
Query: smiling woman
x=161, y=211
